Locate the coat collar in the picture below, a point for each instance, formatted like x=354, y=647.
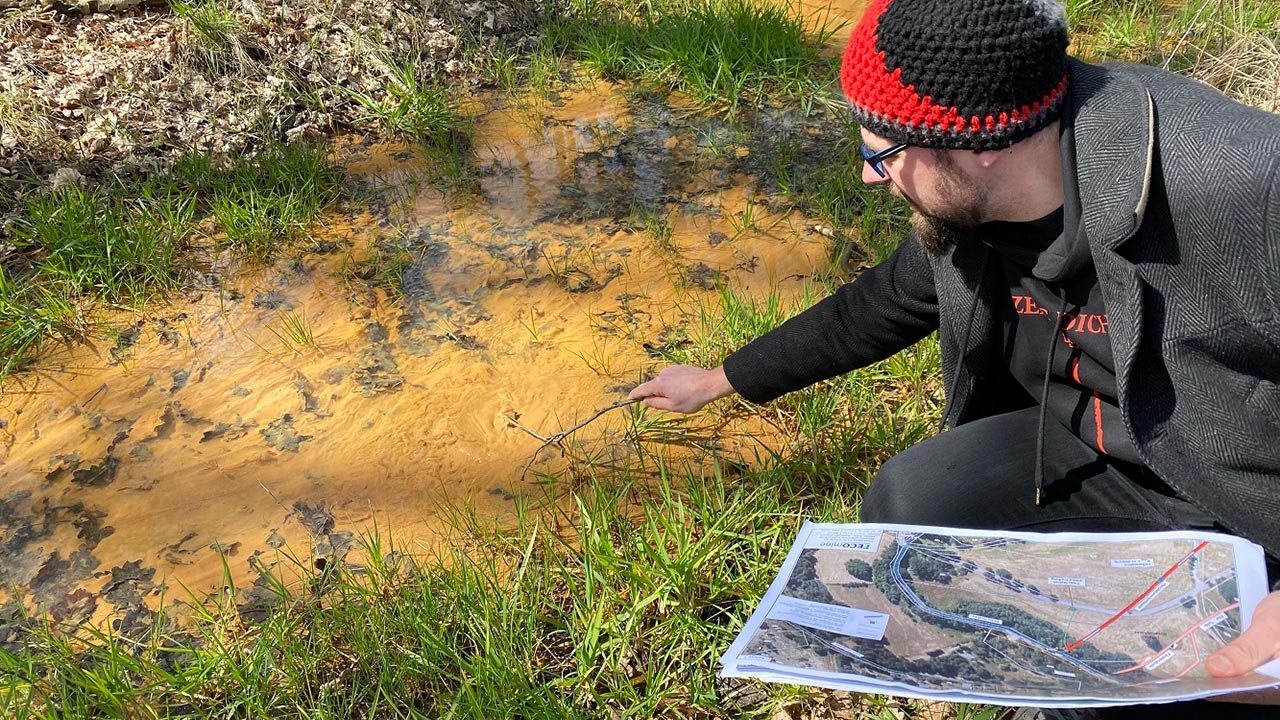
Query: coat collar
x=1113, y=119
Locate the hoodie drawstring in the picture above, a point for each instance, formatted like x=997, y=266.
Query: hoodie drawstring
x=1044, y=400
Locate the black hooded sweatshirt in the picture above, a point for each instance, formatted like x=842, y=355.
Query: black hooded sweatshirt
x=1056, y=320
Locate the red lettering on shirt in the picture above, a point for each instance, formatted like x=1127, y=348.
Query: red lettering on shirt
x=1026, y=305
x=1089, y=323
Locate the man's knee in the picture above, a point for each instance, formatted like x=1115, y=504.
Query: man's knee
x=921, y=486
x=892, y=496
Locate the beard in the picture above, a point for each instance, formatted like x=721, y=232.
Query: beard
x=939, y=235
x=939, y=230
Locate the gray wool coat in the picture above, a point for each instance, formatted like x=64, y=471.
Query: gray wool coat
x=1177, y=190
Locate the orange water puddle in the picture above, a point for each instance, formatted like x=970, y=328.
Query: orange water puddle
x=837, y=16
x=211, y=430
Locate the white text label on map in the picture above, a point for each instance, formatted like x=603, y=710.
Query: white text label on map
x=984, y=618
x=858, y=539
x=1072, y=581
x=1133, y=563
x=832, y=618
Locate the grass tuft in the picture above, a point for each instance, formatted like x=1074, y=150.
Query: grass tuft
x=720, y=52
x=295, y=332
x=216, y=36
x=81, y=247
x=118, y=249
x=259, y=203
x=411, y=108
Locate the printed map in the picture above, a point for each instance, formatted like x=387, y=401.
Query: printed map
x=1117, y=619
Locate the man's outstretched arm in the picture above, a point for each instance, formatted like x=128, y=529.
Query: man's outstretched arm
x=888, y=308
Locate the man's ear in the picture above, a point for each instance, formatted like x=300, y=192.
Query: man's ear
x=975, y=162
x=988, y=158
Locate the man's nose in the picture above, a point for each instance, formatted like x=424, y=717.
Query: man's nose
x=870, y=176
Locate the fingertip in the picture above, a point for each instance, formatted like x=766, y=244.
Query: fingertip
x=1220, y=665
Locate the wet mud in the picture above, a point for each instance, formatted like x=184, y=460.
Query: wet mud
x=402, y=364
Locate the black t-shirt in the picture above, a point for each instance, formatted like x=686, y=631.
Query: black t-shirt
x=1055, y=299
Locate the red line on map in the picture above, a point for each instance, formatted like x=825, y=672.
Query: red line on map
x=1188, y=631
x=1196, y=649
x=1163, y=578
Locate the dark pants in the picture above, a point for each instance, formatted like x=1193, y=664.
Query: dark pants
x=981, y=475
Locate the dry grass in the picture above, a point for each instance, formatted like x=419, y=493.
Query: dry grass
x=1247, y=67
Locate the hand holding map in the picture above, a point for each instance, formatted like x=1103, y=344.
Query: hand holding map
x=1055, y=620
x=1258, y=645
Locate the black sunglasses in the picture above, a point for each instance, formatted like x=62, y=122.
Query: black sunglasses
x=876, y=159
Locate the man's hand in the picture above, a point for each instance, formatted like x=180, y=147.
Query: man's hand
x=1255, y=646
x=683, y=388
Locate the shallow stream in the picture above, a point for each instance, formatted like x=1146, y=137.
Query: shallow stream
x=289, y=409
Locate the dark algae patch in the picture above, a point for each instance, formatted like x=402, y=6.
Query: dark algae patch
x=281, y=435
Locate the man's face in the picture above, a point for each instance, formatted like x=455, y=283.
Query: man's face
x=945, y=200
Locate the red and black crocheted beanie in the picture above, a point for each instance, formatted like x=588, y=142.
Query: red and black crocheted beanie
x=960, y=74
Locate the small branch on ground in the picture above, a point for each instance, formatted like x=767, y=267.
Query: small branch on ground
x=560, y=436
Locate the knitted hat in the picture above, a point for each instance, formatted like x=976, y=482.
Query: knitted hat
x=961, y=74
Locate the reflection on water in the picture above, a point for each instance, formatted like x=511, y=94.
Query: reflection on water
x=288, y=409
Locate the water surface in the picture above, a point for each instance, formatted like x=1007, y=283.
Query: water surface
x=211, y=431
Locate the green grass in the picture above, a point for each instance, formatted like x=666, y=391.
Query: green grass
x=614, y=595
x=381, y=265
x=78, y=248
x=29, y=317
x=218, y=38
x=295, y=332
x=720, y=52
x=411, y=107
x=616, y=603
x=113, y=247
x=657, y=225
x=1197, y=37
x=843, y=427
x=118, y=244
x=260, y=203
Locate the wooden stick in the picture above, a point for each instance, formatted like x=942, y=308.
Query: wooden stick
x=558, y=437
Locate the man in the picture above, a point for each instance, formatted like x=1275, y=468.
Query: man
x=1098, y=249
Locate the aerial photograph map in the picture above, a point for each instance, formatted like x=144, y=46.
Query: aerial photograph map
x=1112, y=618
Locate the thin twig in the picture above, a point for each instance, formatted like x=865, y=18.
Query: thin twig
x=516, y=423
x=558, y=437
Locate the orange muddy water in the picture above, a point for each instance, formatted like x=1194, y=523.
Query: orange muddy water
x=288, y=409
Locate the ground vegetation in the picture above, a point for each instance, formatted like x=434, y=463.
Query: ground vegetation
x=160, y=134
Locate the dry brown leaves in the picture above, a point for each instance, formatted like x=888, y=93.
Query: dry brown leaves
x=119, y=91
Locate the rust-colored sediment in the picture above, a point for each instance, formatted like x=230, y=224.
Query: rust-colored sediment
x=125, y=466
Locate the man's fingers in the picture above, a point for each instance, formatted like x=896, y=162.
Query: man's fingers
x=657, y=402
x=683, y=388
x=1255, y=646
x=653, y=387
x=1242, y=655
